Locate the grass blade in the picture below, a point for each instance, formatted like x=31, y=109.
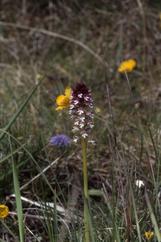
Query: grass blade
x=21, y=108
x=136, y=216
x=18, y=198
x=153, y=218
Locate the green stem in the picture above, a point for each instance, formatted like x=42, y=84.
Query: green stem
x=85, y=173
x=85, y=187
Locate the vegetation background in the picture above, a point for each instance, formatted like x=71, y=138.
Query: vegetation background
x=58, y=43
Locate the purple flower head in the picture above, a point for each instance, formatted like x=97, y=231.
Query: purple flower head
x=60, y=140
x=81, y=111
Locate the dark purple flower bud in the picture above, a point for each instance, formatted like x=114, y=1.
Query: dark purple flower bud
x=60, y=140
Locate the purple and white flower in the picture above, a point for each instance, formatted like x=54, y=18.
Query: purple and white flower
x=81, y=111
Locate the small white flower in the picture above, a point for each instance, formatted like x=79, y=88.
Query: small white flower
x=76, y=123
x=71, y=106
x=80, y=95
x=81, y=125
x=84, y=135
x=80, y=111
x=139, y=183
x=76, y=102
x=75, y=129
x=82, y=119
x=86, y=98
x=75, y=140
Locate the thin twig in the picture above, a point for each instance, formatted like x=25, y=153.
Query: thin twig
x=38, y=175
x=41, y=205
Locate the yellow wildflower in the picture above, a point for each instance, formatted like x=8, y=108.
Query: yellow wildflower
x=4, y=211
x=63, y=101
x=149, y=235
x=127, y=66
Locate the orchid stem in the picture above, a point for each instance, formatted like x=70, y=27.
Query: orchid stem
x=85, y=187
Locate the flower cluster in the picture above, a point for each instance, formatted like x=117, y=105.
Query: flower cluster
x=4, y=211
x=127, y=66
x=81, y=111
x=60, y=140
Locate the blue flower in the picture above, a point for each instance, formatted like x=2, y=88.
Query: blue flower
x=60, y=140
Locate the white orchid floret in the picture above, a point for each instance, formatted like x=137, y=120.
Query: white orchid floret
x=84, y=135
x=80, y=111
x=80, y=95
